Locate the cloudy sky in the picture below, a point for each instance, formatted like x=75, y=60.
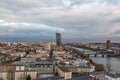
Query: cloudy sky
x=76, y=20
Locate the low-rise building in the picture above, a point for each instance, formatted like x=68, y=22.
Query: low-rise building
x=7, y=72
x=117, y=51
x=58, y=53
x=39, y=55
x=40, y=67
x=105, y=76
x=22, y=75
x=28, y=59
x=87, y=68
x=64, y=72
x=110, y=76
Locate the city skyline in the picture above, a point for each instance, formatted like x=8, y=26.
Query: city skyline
x=78, y=20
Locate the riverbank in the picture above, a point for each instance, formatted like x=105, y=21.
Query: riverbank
x=98, y=67
x=111, y=64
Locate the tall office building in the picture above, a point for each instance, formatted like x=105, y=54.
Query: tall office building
x=58, y=39
x=108, y=44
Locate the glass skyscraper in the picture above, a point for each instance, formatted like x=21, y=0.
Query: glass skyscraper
x=58, y=39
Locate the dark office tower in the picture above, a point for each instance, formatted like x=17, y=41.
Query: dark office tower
x=58, y=39
x=108, y=44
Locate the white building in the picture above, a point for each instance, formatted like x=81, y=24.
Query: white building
x=48, y=46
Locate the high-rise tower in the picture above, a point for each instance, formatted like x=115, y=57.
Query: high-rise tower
x=108, y=44
x=58, y=39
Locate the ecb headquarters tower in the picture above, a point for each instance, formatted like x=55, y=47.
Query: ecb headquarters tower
x=58, y=39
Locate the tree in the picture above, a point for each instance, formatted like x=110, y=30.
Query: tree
x=99, y=67
x=28, y=77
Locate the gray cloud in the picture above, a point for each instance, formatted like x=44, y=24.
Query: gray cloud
x=76, y=19
x=116, y=20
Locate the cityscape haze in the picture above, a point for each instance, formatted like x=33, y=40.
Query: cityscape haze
x=59, y=39
x=78, y=20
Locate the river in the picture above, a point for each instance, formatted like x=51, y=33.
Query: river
x=110, y=63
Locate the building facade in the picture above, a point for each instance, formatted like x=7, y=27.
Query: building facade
x=58, y=39
x=108, y=44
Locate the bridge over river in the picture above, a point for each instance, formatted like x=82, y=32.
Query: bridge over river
x=111, y=63
x=95, y=53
